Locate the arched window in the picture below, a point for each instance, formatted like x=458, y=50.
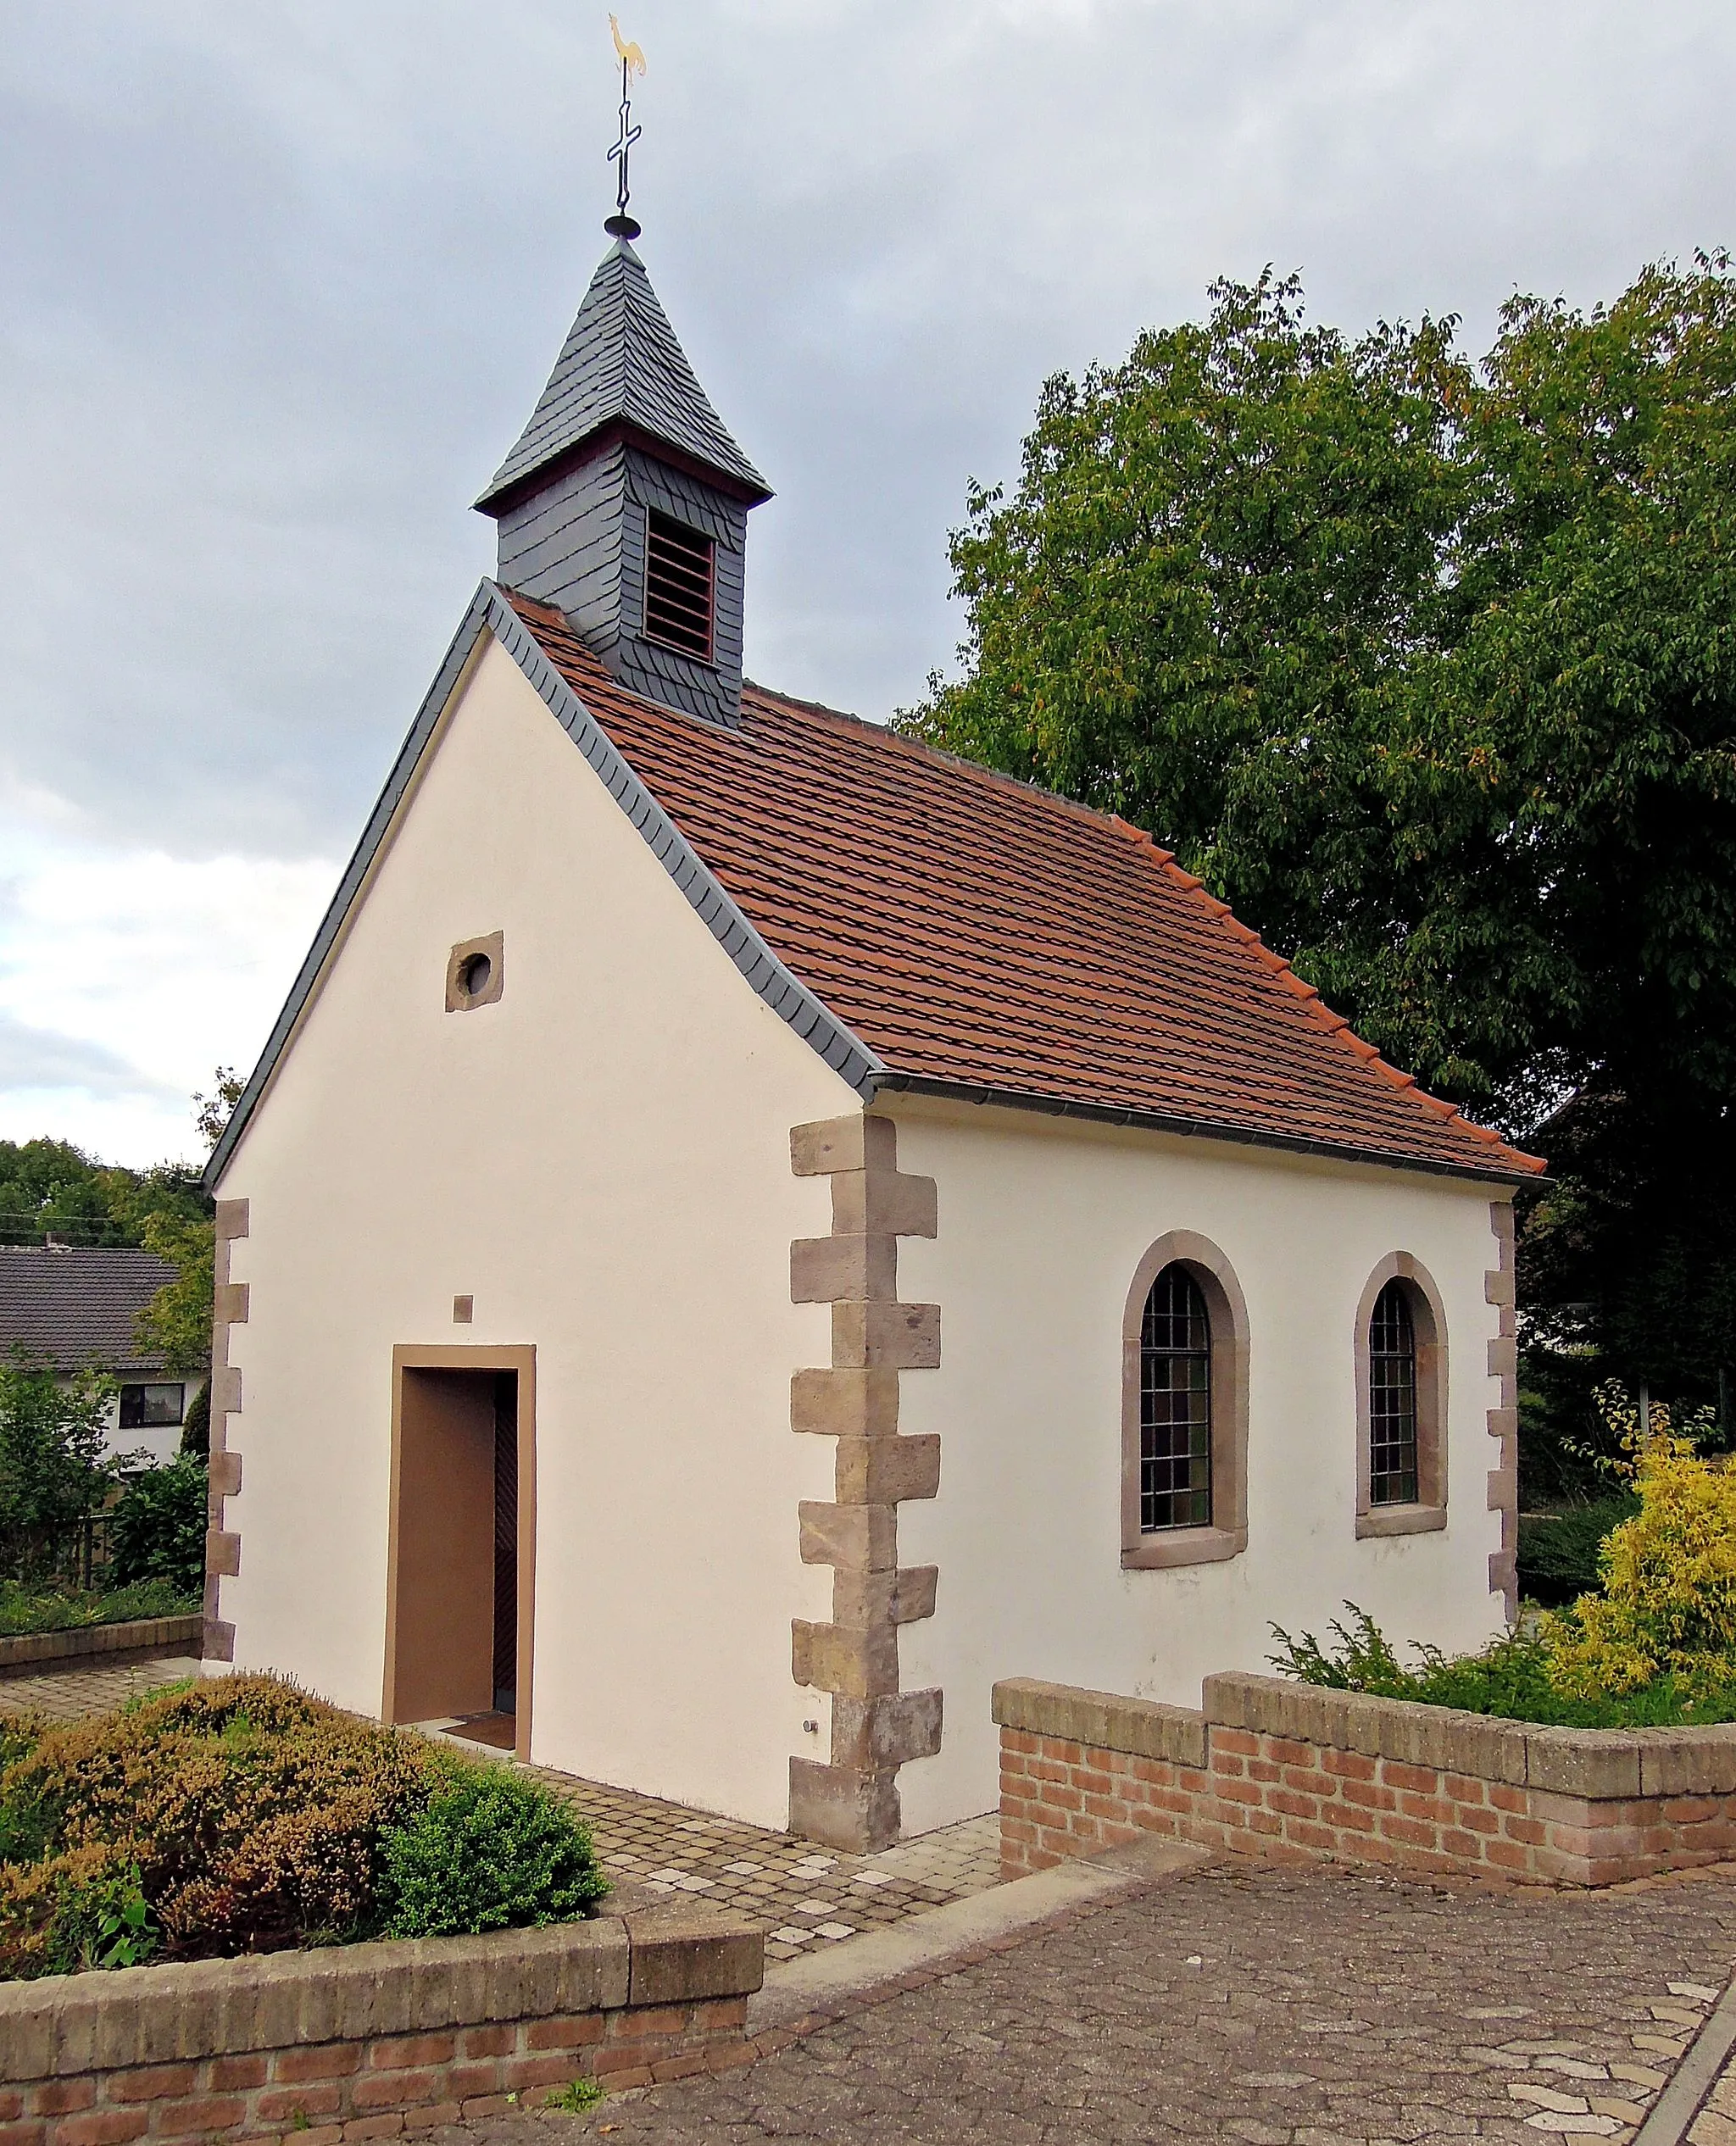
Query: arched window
x=1401, y=1401
x=1392, y=1400
x=1184, y=1408
x=1175, y=1405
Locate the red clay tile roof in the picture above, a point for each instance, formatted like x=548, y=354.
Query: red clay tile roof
x=974, y=931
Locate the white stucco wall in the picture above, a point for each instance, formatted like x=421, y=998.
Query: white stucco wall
x=602, y=1160
x=1042, y=1224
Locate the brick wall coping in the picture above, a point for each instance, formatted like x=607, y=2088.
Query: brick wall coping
x=1597, y=1764
x=139, y=1637
x=68, y=2025
x=1141, y=1727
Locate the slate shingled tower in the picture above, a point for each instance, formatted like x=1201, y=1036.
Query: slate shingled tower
x=626, y=502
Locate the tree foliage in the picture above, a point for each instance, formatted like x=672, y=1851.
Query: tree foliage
x=1428, y=668
x=54, y=1463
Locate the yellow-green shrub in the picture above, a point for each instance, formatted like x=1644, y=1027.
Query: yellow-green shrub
x=1668, y=1605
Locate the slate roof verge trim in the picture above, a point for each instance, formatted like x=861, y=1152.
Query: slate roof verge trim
x=490, y=611
x=983, y=1096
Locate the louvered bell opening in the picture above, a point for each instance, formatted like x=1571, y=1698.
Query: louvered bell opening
x=679, y=587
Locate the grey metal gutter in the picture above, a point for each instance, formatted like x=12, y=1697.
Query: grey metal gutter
x=1053, y=1106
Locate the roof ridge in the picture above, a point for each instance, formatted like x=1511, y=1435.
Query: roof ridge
x=1334, y=1023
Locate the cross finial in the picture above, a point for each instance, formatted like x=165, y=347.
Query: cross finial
x=632, y=62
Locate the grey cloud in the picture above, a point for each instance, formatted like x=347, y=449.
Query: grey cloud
x=280, y=284
x=39, y=1058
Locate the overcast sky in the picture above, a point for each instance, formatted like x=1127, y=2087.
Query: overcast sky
x=279, y=283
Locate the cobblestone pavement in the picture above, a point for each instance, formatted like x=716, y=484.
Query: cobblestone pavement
x=76, y=1692
x=804, y=1897
x=1276, y=2008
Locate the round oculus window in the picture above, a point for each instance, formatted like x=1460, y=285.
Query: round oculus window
x=474, y=973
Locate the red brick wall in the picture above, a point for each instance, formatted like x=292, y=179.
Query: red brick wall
x=1291, y=1798
x=1058, y=1798
x=318, y=2094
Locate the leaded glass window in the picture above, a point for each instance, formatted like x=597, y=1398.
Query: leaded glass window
x=1392, y=1399
x=1175, y=1405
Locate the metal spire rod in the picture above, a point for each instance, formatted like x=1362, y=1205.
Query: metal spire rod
x=632, y=62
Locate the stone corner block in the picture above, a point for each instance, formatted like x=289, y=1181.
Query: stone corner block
x=861, y=1538
x=682, y=1956
x=1596, y=1764
x=857, y=1141
x=875, y=1200
x=853, y=1809
x=834, y=1269
x=231, y=1218
x=845, y=1403
x=886, y=1337
x=879, y=1734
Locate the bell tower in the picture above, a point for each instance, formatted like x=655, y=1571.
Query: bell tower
x=626, y=501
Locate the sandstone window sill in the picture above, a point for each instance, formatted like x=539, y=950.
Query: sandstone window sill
x=1400, y=1519
x=1182, y=1546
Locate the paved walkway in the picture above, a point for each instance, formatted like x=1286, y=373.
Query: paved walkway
x=73, y=1693
x=805, y=1898
x=1276, y=2008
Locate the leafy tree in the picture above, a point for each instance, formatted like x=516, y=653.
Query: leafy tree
x=54, y=1464
x=1429, y=669
x=176, y=1323
x=160, y=1527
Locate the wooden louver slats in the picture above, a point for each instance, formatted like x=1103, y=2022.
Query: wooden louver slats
x=680, y=586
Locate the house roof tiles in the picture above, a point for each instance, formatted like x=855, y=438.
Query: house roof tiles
x=76, y=1305
x=979, y=935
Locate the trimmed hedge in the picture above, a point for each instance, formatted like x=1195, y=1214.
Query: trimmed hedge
x=239, y=1814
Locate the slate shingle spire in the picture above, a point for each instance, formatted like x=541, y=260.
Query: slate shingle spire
x=626, y=501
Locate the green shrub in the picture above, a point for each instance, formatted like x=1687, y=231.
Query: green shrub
x=1510, y=1677
x=238, y=1814
x=72, y=1609
x=160, y=1527
x=491, y=1850
x=1558, y=1552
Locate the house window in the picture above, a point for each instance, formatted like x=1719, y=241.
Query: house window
x=1392, y=1400
x=146, y=1408
x=680, y=586
x=1401, y=1401
x=1184, y=1408
x=1175, y=1405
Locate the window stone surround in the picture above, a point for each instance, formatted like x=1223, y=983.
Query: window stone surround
x=1226, y=1308
x=851, y=1801
x=1428, y=1325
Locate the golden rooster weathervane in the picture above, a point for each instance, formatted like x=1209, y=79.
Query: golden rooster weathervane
x=632, y=62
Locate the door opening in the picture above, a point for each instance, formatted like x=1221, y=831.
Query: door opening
x=506, y=1542
x=457, y=1621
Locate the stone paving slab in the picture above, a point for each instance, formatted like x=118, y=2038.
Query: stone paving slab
x=1246, y=2003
